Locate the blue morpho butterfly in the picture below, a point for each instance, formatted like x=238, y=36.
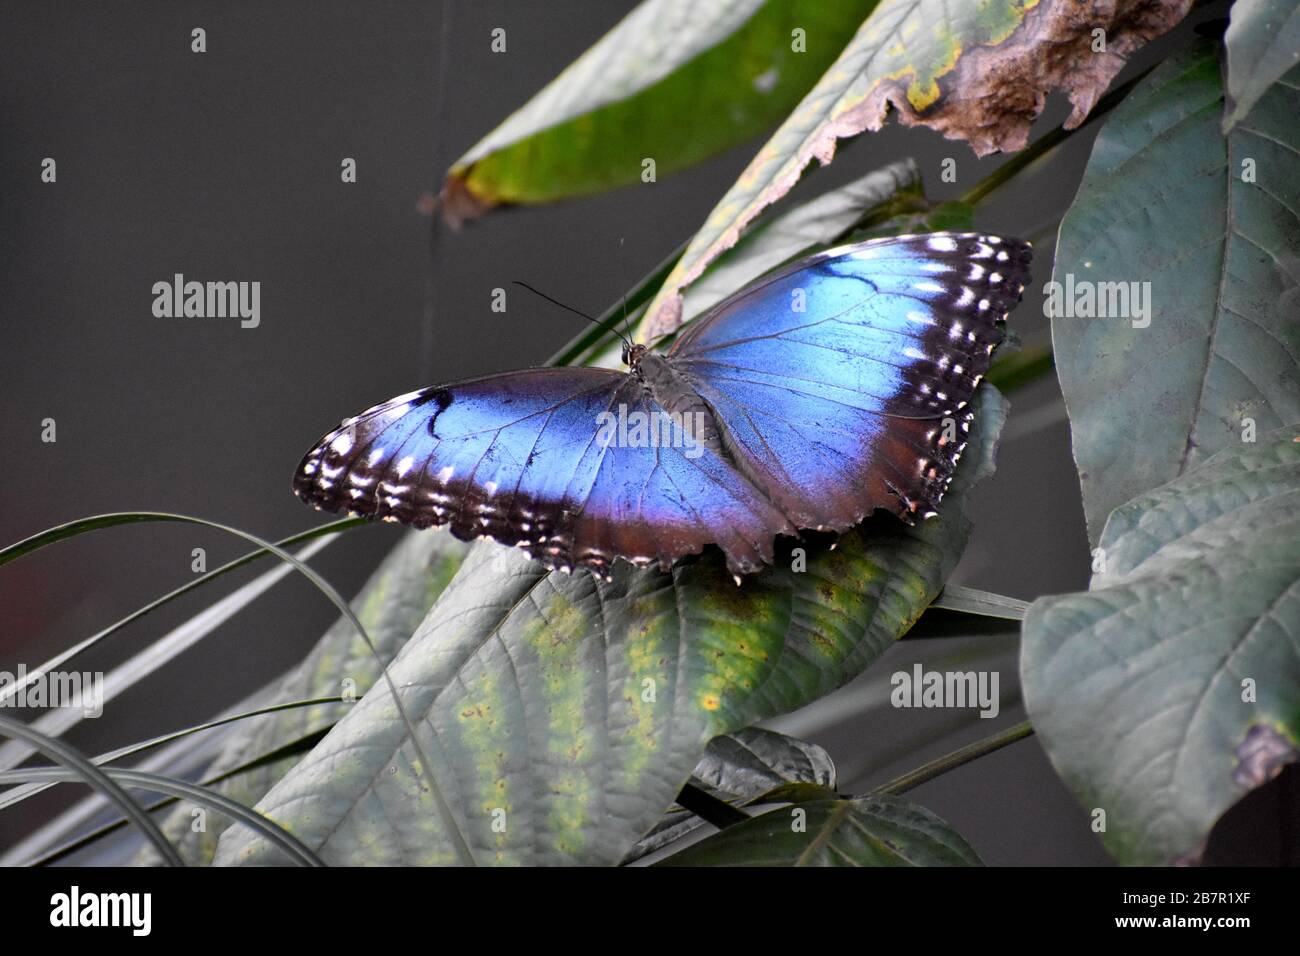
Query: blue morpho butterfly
x=807, y=400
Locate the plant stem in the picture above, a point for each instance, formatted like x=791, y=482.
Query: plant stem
x=950, y=761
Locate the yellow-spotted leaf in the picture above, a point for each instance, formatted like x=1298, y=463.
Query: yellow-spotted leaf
x=675, y=82
x=564, y=713
x=976, y=70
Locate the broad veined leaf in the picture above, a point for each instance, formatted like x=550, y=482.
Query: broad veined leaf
x=565, y=713
x=1263, y=42
x=1175, y=283
x=676, y=81
x=1172, y=688
x=391, y=606
x=740, y=767
x=977, y=70
x=865, y=831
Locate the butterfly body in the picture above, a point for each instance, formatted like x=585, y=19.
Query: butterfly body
x=809, y=399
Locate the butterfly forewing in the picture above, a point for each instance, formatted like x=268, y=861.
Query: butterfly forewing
x=515, y=458
x=845, y=380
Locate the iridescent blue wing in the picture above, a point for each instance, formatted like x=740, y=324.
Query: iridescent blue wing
x=844, y=380
x=515, y=458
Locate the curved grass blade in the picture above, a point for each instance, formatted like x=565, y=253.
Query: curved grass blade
x=53, y=855
x=104, y=521
x=950, y=761
x=299, y=854
x=82, y=769
x=154, y=656
x=18, y=794
x=392, y=603
x=208, y=578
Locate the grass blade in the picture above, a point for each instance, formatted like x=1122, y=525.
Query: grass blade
x=985, y=603
x=82, y=769
x=324, y=530
x=160, y=652
x=282, y=838
x=98, y=522
x=17, y=795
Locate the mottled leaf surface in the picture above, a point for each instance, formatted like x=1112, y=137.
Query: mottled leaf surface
x=676, y=81
x=976, y=70
x=1172, y=688
x=865, y=831
x=564, y=713
x=1163, y=202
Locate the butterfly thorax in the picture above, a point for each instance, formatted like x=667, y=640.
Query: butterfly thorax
x=668, y=388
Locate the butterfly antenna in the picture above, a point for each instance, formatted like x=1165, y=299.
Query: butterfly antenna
x=604, y=325
x=626, y=327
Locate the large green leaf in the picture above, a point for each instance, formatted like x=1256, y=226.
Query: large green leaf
x=1163, y=202
x=1263, y=41
x=1172, y=688
x=676, y=81
x=391, y=606
x=977, y=70
x=564, y=713
x=866, y=831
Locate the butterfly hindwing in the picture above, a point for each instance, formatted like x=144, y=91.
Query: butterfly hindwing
x=845, y=380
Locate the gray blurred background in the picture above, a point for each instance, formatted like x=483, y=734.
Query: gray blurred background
x=226, y=166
